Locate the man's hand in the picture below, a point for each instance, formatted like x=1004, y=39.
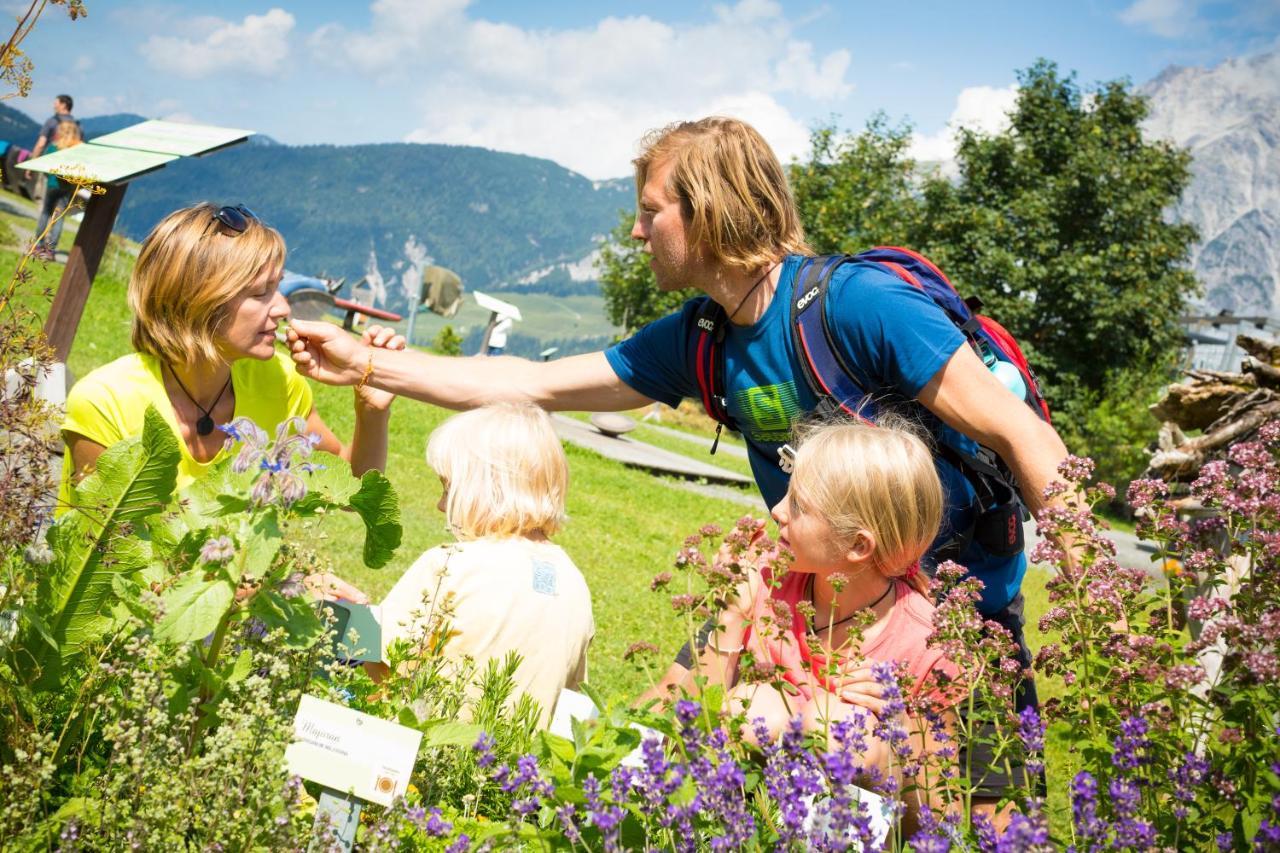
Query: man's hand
x=326, y=353
x=380, y=337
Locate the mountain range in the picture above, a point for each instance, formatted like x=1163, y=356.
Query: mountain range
x=382, y=212
x=1229, y=118
x=511, y=222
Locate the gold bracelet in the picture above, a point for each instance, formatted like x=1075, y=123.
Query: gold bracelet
x=368, y=371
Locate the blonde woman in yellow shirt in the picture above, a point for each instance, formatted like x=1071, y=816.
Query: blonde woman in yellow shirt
x=205, y=302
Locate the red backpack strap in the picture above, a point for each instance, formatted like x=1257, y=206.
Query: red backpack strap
x=706, y=355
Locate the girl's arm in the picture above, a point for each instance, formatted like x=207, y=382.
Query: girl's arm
x=718, y=659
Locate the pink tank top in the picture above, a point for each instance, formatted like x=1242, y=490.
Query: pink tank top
x=903, y=640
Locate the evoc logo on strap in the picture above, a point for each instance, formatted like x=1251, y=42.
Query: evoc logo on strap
x=706, y=324
x=806, y=299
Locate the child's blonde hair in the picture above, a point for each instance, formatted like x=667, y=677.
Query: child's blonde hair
x=504, y=470
x=877, y=478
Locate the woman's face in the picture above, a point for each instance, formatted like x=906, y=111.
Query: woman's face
x=253, y=318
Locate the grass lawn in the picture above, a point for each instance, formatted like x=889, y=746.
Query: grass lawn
x=625, y=524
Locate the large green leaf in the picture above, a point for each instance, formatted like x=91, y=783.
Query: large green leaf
x=134, y=478
x=379, y=508
x=260, y=541
x=194, y=607
x=93, y=543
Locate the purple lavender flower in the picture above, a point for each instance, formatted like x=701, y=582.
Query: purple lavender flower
x=1131, y=745
x=462, y=845
x=1031, y=732
x=1090, y=829
x=436, y=826
x=931, y=836
x=605, y=818
x=483, y=748
x=565, y=816
x=1027, y=833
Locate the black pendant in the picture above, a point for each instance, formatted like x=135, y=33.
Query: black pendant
x=204, y=426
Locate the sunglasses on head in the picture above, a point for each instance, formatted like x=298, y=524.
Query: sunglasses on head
x=236, y=218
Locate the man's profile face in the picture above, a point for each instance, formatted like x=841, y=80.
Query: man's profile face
x=660, y=223
x=58, y=106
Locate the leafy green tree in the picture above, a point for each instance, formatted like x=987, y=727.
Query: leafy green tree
x=1058, y=225
x=855, y=191
x=631, y=296
x=447, y=342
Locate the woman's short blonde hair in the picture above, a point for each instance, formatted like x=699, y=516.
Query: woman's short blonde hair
x=731, y=187
x=189, y=271
x=877, y=478
x=504, y=470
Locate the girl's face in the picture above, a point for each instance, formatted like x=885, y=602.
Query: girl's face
x=253, y=318
x=808, y=536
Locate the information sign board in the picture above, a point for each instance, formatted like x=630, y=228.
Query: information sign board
x=98, y=163
x=172, y=137
x=351, y=752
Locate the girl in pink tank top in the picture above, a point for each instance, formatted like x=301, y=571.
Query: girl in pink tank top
x=863, y=506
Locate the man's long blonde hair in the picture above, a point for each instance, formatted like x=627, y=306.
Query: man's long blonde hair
x=878, y=478
x=188, y=272
x=731, y=188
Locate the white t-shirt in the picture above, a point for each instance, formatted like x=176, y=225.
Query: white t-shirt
x=507, y=595
x=498, y=337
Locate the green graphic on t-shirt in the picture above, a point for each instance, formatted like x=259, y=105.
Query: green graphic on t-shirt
x=768, y=410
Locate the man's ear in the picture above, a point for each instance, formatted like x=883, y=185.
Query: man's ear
x=862, y=548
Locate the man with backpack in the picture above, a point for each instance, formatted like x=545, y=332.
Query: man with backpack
x=716, y=214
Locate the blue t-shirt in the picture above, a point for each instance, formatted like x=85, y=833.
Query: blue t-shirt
x=893, y=337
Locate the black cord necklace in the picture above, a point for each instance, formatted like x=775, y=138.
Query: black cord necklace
x=204, y=425
x=870, y=606
x=759, y=282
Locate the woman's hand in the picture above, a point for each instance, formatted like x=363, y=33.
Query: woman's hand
x=330, y=587
x=326, y=353
x=379, y=337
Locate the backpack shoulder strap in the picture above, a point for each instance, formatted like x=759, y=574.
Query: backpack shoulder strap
x=825, y=368
x=706, y=357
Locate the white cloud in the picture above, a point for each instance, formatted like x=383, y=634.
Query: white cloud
x=583, y=97
x=257, y=45
x=1167, y=18
x=981, y=108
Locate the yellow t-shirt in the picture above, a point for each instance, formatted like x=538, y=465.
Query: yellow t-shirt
x=110, y=405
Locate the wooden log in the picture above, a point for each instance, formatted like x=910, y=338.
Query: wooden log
x=1185, y=460
x=1267, y=351
x=1196, y=404
x=1264, y=374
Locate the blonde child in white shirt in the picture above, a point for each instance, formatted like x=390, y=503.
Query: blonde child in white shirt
x=506, y=585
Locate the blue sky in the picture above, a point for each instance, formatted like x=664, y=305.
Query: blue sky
x=580, y=82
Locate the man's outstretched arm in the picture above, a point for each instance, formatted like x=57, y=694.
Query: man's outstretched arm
x=327, y=353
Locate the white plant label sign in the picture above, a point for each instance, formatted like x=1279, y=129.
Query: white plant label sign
x=351, y=752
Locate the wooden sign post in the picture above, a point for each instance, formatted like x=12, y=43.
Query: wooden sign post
x=112, y=161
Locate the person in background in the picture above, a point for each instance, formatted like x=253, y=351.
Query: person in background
x=62, y=105
x=57, y=195
x=497, y=340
